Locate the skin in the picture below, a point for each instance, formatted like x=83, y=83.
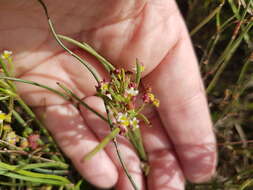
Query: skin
x=181, y=144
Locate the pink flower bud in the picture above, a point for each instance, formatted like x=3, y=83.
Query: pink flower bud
x=116, y=71
x=132, y=85
x=146, y=98
x=123, y=130
x=33, y=141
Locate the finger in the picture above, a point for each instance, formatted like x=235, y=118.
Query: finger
x=183, y=109
x=101, y=129
x=71, y=133
x=165, y=172
x=147, y=36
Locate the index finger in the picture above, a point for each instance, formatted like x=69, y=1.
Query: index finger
x=184, y=110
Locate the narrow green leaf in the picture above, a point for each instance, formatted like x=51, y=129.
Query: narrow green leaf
x=138, y=72
x=246, y=184
x=32, y=174
x=207, y=19
x=68, y=91
x=36, y=84
x=108, y=66
x=33, y=179
x=44, y=165
x=136, y=140
x=103, y=143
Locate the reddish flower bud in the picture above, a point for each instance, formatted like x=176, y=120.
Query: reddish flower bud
x=132, y=85
x=123, y=130
x=33, y=141
x=116, y=71
x=98, y=87
x=146, y=98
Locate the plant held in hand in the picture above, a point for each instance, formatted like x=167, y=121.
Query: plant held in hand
x=122, y=98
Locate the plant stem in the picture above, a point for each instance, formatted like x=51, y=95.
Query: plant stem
x=6, y=72
x=102, y=144
x=136, y=140
x=85, y=63
x=124, y=165
x=244, y=70
x=207, y=19
x=17, y=116
x=118, y=151
x=36, y=84
x=108, y=66
x=138, y=72
x=227, y=55
x=4, y=166
x=44, y=165
x=72, y=95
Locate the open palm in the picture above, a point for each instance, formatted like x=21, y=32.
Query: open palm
x=180, y=145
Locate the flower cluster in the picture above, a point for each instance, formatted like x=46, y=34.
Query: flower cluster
x=9, y=135
x=6, y=54
x=122, y=97
x=125, y=121
x=149, y=97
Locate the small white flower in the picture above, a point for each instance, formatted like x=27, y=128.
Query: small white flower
x=12, y=138
x=104, y=86
x=6, y=54
x=134, y=123
x=122, y=119
x=132, y=92
x=109, y=96
x=2, y=116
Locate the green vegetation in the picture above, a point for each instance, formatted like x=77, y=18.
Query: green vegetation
x=222, y=33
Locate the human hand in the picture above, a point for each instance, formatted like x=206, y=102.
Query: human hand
x=181, y=143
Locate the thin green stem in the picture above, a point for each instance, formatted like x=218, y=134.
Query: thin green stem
x=214, y=40
x=124, y=165
x=136, y=140
x=4, y=166
x=51, y=171
x=102, y=144
x=244, y=70
x=240, y=24
x=138, y=72
x=17, y=116
x=222, y=57
x=84, y=62
x=107, y=65
x=207, y=19
x=6, y=72
x=227, y=55
x=44, y=165
x=2, y=184
x=32, y=179
x=36, y=84
x=79, y=100
x=118, y=151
